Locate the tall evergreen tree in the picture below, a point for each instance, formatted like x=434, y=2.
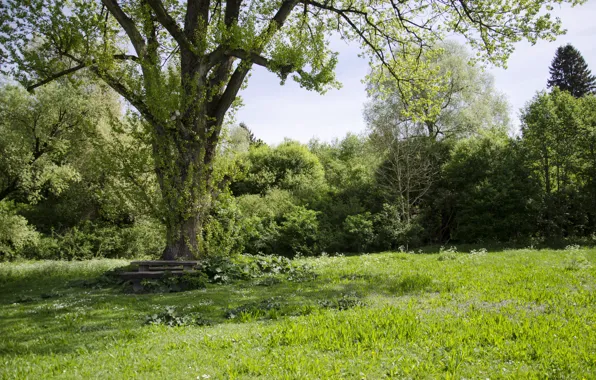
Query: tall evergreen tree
x=252, y=140
x=569, y=71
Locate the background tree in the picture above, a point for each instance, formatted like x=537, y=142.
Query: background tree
x=190, y=59
x=569, y=72
x=552, y=129
x=496, y=196
x=468, y=100
x=289, y=166
x=251, y=136
x=413, y=148
x=587, y=153
x=44, y=137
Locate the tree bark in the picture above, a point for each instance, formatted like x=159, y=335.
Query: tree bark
x=184, y=169
x=182, y=240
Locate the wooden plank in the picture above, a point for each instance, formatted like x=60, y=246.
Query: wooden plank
x=150, y=275
x=165, y=263
x=161, y=268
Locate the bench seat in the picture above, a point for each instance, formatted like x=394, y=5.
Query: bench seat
x=151, y=275
x=161, y=265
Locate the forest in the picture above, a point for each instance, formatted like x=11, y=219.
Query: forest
x=77, y=178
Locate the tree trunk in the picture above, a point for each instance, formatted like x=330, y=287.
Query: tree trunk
x=184, y=169
x=182, y=240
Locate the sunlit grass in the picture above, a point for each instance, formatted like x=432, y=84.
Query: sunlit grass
x=513, y=314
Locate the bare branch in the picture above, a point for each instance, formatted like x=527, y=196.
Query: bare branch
x=56, y=76
x=170, y=24
x=75, y=69
x=137, y=40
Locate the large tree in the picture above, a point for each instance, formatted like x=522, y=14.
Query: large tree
x=465, y=94
x=554, y=135
x=468, y=103
x=182, y=64
x=569, y=71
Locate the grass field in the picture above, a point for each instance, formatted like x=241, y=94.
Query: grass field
x=512, y=314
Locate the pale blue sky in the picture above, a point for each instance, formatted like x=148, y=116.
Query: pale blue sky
x=274, y=112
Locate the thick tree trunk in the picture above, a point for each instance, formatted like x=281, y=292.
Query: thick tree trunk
x=182, y=240
x=184, y=172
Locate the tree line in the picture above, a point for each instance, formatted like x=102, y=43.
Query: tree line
x=77, y=175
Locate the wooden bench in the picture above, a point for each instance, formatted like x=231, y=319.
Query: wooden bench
x=163, y=265
x=158, y=268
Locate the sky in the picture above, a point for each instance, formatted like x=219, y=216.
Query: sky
x=275, y=112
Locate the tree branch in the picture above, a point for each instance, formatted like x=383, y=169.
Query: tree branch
x=263, y=61
x=137, y=40
x=220, y=104
x=196, y=11
x=56, y=76
x=75, y=69
x=232, y=12
x=244, y=66
x=132, y=98
x=170, y=24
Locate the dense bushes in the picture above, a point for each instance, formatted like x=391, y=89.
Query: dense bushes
x=91, y=240
x=495, y=196
x=357, y=194
x=16, y=234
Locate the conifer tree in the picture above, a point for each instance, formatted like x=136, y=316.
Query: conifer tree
x=569, y=71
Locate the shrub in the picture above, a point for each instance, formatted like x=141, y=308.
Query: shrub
x=171, y=318
x=393, y=231
x=227, y=269
x=298, y=233
x=359, y=230
x=89, y=240
x=16, y=234
x=225, y=231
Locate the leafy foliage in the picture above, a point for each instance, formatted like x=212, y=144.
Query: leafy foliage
x=172, y=318
x=181, y=65
x=557, y=134
x=569, y=72
x=245, y=267
x=497, y=199
x=15, y=233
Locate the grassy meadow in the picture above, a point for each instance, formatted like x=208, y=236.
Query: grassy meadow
x=499, y=315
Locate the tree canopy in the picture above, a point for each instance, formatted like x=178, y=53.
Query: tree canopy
x=182, y=64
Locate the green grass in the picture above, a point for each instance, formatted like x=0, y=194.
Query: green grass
x=512, y=314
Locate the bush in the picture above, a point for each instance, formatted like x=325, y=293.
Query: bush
x=496, y=196
x=225, y=231
x=16, y=234
x=298, y=233
x=394, y=232
x=172, y=318
x=289, y=166
x=90, y=240
x=245, y=267
x=274, y=225
x=360, y=231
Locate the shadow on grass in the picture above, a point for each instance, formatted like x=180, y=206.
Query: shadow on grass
x=52, y=315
